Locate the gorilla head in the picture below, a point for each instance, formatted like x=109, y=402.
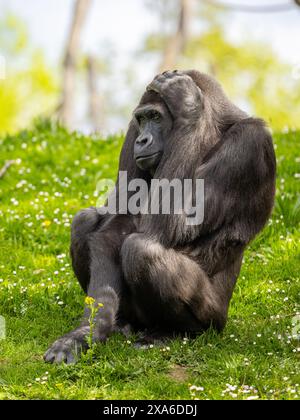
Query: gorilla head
x=153, y=122
x=179, y=113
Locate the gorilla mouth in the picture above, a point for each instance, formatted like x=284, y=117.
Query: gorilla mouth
x=147, y=157
x=148, y=162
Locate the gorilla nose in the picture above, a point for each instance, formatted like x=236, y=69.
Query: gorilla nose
x=144, y=141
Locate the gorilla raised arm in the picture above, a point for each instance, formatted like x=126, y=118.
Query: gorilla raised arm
x=156, y=272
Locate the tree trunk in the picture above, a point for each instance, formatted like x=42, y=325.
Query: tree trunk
x=178, y=41
x=95, y=102
x=71, y=60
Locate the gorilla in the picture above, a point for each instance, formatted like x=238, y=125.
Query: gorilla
x=155, y=273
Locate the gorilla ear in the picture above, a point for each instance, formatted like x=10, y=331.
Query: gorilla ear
x=201, y=95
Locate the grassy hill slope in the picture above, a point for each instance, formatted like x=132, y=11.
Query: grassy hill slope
x=55, y=175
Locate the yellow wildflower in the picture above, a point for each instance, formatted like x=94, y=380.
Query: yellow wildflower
x=89, y=300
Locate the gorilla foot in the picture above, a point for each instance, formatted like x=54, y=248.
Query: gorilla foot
x=125, y=330
x=148, y=339
x=68, y=348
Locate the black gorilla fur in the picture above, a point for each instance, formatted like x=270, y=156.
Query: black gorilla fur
x=155, y=273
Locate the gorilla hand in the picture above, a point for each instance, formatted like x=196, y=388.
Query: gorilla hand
x=181, y=94
x=68, y=348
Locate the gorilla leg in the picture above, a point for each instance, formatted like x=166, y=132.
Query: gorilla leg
x=95, y=249
x=84, y=223
x=171, y=291
x=106, y=277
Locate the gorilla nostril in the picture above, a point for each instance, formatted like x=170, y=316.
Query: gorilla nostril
x=146, y=140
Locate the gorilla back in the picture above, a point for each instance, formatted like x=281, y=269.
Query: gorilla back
x=157, y=273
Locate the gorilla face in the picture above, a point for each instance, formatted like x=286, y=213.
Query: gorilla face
x=154, y=123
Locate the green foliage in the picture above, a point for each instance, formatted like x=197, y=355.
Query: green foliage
x=30, y=87
x=13, y=35
x=55, y=176
x=250, y=72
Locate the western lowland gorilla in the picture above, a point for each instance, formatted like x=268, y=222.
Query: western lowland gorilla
x=157, y=273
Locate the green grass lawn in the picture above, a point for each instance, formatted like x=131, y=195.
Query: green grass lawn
x=257, y=355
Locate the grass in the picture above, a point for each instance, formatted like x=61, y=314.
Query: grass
x=256, y=356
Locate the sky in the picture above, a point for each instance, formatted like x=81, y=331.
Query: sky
x=120, y=26
x=123, y=23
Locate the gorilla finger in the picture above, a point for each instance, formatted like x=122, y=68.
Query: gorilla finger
x=61, y=357
x=161, y=77
x=176, y=73
x=70, y=358
x=49, y=356
x=158, y=82
x=127, y=330
x=154, y=86
x=168, y=74
x=141, y=346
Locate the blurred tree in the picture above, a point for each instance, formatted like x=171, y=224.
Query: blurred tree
x=29, y=86
x=72, y=55
x=253, y=8
x=250, y=72
x=177, y=43
x=96, y=113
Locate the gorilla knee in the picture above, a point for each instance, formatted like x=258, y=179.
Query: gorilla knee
x=214, y=317
x=138, y=256
x=85, y=222
x=128, y=254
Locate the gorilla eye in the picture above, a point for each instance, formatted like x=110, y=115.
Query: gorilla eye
x=154, y=115
x=141, y=119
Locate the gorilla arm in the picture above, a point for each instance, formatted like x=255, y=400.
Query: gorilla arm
x=239, y=180
x=238, y=168
x=239, y=186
